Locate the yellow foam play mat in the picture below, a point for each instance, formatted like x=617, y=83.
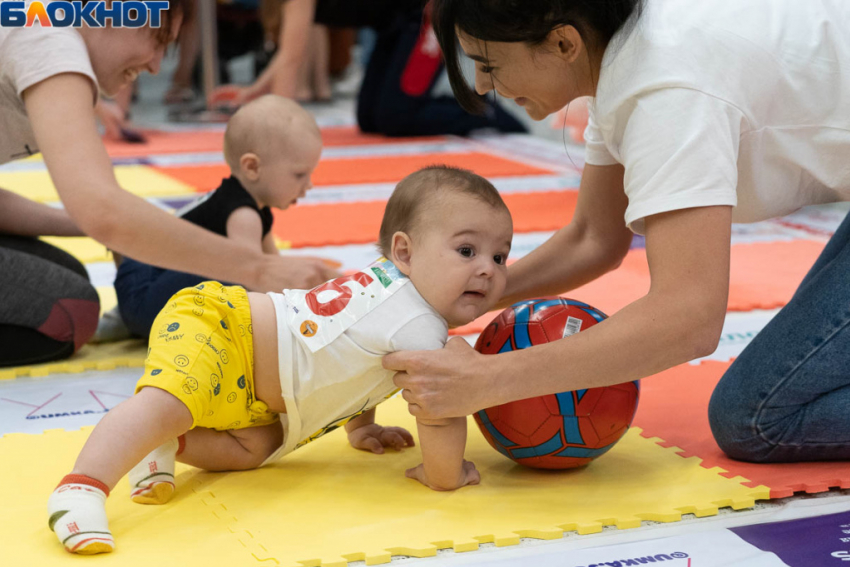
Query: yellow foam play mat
x=130, y=353
x=327, y=503
x=141, y=180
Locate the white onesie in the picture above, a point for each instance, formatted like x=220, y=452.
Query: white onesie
x=330, y=343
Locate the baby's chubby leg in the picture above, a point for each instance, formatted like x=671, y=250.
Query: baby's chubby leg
x=232, y=450
x=152, y=480
x=130, y=431
x=123, y=437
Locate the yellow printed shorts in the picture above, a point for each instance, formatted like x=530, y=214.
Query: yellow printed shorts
x=201, y=351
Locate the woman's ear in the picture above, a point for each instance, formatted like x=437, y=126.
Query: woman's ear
x=401, y=252
x=567, y=41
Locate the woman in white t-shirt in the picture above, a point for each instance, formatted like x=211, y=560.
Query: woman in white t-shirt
x=49, y=83
x=704, y=113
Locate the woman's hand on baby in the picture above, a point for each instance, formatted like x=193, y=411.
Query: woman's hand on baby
x=451, y=382
x=294, y=272
x=374, y=437
x=468, y=475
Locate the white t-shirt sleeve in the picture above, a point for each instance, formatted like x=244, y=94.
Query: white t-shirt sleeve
x=31, y=55
x=680, y=150
x=425, y=332
x=595, y=152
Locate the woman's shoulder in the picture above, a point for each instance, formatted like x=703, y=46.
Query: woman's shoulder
x=724, y=48
x=31, y=55
x=740, y=53
x=659, y=47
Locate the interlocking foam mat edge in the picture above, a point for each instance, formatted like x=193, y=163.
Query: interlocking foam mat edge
x=327, y=503
x=680, y=396
x=91, y=357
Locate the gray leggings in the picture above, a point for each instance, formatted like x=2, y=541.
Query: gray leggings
x=48, y=307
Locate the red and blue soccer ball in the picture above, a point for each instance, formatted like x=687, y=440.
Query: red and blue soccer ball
x=559, y=431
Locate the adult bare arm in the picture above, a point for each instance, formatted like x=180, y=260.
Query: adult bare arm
x=279, y=76
x=269, y=246
x=297, y=18
x=23, y=217
x=679, y=319
x=63, y=121
x=593, y=243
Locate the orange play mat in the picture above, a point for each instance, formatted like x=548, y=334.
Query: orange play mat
x=159, y=142
x=764, y=275
x=359, y=222
x=673, y=407
x=350, y=171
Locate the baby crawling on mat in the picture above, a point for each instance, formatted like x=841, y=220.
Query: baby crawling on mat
x=271, y=146
x=234, y=380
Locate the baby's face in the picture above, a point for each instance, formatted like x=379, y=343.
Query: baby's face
x=459, y=257
x=288, y=178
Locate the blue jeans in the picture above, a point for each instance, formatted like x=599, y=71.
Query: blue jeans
x=787, y=397
x=143, y=290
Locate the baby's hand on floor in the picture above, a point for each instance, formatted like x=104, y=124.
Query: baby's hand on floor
x=374, y=437
x=468, y=475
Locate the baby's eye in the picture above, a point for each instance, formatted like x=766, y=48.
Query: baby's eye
x=500, y=259
x=486, y=69
x=465, y=251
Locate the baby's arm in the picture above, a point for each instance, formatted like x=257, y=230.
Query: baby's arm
x=443, y=467
x=443, y=441
x=364, y=433
x=245, y=226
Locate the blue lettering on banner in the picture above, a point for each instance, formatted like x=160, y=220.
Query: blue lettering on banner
x=661, y=557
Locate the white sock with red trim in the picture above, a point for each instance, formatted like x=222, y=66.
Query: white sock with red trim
x=78, y=515
x=152, y=480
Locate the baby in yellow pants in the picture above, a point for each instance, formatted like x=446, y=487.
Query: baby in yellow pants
x=233, y=379
x=209, y=325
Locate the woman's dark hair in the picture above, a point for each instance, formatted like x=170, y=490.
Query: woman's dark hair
x=528, y=21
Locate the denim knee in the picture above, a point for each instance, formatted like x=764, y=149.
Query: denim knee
x=131, y=283
x=733, y=421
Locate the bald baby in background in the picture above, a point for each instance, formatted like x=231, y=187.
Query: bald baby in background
x=271, y=145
